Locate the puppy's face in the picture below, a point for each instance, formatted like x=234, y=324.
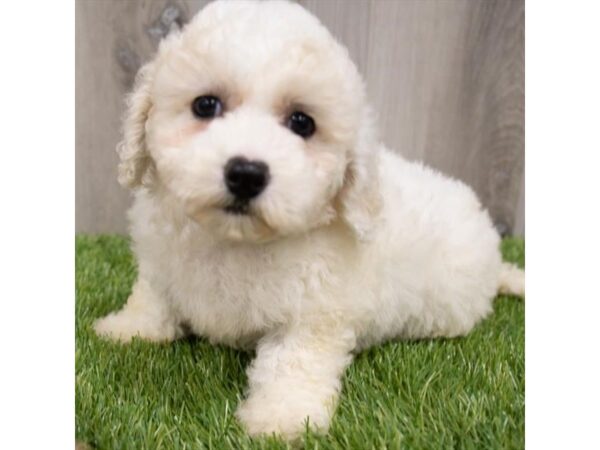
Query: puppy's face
x=252, y=121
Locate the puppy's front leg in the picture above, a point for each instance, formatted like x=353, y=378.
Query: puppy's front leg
x=146, y=315
x=295, y=376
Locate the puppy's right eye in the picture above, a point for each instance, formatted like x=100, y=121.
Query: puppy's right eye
x=207, y=107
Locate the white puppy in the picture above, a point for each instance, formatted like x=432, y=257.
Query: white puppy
x=267, y=214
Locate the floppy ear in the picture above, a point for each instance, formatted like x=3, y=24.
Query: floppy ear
x=361, y=200
x=135, y=159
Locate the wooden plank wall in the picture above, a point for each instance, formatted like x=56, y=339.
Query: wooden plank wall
x=445, y=76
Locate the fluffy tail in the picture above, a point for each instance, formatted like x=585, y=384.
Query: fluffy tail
x=512, y=280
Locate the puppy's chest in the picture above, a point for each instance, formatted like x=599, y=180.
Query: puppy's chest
x=230, y=293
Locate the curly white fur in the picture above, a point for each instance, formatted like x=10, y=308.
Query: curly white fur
x=348, y=246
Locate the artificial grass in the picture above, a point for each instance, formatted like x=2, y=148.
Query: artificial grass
x=431, y=394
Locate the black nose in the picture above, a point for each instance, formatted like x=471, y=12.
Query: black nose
x=246, y=179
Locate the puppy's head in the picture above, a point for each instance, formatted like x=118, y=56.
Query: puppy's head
x=254, y=120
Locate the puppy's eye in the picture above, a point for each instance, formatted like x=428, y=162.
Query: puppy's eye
x=301, y=124
x=207, y=107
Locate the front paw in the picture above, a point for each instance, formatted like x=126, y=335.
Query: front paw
x=285, y=413
x=116, y=328
x=122, y=327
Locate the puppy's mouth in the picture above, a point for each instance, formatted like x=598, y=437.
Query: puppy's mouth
x=234, y=219
x=238, y=208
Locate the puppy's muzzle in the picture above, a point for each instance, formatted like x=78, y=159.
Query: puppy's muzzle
x=245, y=179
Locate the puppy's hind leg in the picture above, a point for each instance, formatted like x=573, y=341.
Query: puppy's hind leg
x=145, y=315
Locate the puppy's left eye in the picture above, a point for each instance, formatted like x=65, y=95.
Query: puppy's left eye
x=301, y=124
x=207, y=107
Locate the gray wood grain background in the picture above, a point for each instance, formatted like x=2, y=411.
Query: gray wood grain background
x=445, y=76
